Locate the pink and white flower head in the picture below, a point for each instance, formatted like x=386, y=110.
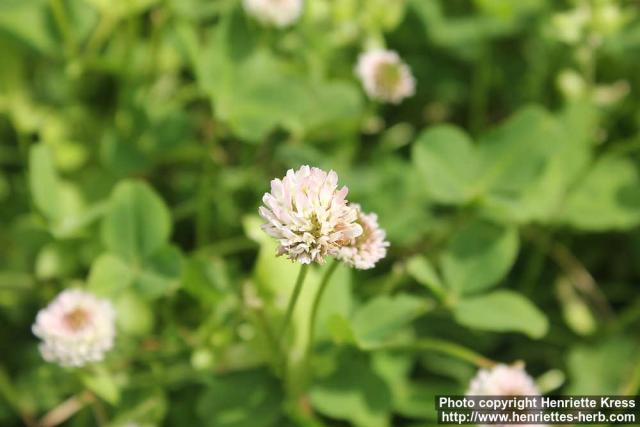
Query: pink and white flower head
x=308, y=215
x=366, y=250
x=276, y=13
x=503, y=380
x=76, y=328
x=384, y=76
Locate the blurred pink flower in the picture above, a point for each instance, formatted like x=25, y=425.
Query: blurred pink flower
x=385, y=76
x=308, y=215
x=366, y=250
x=76, y=328
x=277, y=13
x=504, y=380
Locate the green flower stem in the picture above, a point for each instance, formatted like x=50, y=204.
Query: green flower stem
x=304, y=268
x=101, y=34
x=314, y=314
x=62, y=21
x=444, y=347
x=316, y=304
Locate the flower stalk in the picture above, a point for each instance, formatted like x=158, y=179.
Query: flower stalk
x=292, y=302
x=314, y=314
x=316, y=304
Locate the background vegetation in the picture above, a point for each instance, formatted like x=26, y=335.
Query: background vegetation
x=138, y=136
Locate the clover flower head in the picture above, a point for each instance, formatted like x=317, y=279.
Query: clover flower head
x=308, y=215
x=503, y=380
x=364, y=251
x=76, y=328
x=384, y=76
x=276, y=13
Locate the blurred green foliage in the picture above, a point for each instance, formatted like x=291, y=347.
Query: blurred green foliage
x=138, y=136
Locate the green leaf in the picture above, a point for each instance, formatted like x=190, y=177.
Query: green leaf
x=265, y=93
x=256, y=92
x=421, y=269
x=53, y=261
x=382, y=318
x=354, y=392
x=27, y=22
x=408, y=395
x=198, y=280
x=75, y=216
x=243, y=399
x=447, y=367
x=44, y=181
x=506, y=161
x=606, y=198
x=501, y=311
x=142, y=407
x=137, y=222
x=274, y=273
x=514, y=155
x=109, y=275
x=102, y=383
x=446, y=158
x=340, y=330
x=478, y=256
x=61, y=202
x=154, y=277
x=134, y=314
x=338, y=103
x=602, y=368
x=566, y=140
x=160, y=273
x=388, y=188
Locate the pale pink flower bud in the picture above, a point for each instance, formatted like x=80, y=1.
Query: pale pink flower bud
x=76, y=328
x=308, y=215
x=366, y=250
x=276, y=13
x=384, y=76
